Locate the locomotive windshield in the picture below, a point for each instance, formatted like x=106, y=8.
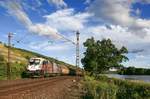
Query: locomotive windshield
x=34, y=61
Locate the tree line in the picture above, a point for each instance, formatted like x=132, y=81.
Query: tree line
x=134, y=71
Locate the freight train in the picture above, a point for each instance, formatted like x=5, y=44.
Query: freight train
x=40, y=67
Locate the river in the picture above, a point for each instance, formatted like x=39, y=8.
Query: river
x=145, y=78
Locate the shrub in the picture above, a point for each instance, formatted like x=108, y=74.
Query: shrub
x=99, y=90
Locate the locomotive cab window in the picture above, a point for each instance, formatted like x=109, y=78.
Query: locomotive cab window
x=34, y=62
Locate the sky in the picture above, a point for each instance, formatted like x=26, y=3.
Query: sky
x=45, y=26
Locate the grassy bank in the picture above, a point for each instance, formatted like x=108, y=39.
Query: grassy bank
x=16, y=70
x=103, y=87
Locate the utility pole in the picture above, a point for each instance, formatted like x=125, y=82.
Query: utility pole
x=77, y=51
x=9, y=48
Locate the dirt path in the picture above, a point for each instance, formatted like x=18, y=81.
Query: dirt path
x=63, y=87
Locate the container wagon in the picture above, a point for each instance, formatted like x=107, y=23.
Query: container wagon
x=64, y=70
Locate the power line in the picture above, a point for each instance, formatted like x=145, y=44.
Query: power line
x=26, y=34
x=66, y=38
x=21, y=38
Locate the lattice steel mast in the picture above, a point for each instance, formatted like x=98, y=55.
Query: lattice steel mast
x=77, y=50
x=9, y=58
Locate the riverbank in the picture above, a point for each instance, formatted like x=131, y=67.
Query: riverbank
x=103, y=87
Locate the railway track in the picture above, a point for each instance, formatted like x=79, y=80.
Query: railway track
x=29, y=86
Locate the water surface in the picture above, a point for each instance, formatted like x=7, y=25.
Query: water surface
x=145, y=78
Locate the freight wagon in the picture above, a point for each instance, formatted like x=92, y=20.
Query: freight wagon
x=40, y=67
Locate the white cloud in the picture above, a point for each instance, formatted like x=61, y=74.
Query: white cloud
x=115, y=11
x=61, y=20
x=43, y=29
x=88, y=1
x=118, y=12
x=15, y=9
x=35, y=5
x=67, y=19
x=119, y=35
x=58, y=3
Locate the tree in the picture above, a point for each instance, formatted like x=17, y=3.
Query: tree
x=101, y=55
x=139, y=71
x=130, y=71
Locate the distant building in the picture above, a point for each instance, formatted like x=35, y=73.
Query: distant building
x=113, y=69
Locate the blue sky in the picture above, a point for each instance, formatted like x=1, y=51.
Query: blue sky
x=39, y=25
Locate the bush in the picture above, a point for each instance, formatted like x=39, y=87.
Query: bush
x=3, y=68
x=16, y=70
x=24, y=74
x=99, y=90
x=3, y=71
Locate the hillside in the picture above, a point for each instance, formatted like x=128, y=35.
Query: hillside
x=19, y=60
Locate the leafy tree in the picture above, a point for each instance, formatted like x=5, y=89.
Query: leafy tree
x=101, y=55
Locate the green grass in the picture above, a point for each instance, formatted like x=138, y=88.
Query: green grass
x=16, y=70
x=103, y=87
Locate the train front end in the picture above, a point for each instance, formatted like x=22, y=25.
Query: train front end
x=34, y=67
